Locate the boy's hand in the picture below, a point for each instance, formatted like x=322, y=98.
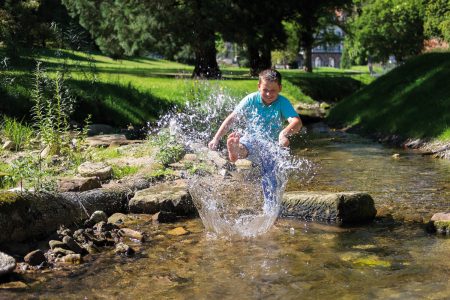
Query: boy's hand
x=283, y=141
x=213, y=144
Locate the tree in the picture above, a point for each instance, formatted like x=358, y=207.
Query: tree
x=437, y=19
x=312, y=18
x=381, y=28
x=258, y=26
x=130, y=27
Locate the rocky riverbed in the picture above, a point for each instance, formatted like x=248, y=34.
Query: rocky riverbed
x=93, y=212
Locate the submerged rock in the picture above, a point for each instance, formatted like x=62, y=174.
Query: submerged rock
x=340, y=208
x=440, y=223
x=178, y=231
x=7, y=264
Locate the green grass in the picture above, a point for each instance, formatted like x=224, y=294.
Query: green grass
x=137, y=89
x=412, y=100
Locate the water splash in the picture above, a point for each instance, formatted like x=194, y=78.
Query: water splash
x=236, y=199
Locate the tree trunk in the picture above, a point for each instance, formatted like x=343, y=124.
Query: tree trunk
x=259, y=58
x=308, y=59
x=205, y=58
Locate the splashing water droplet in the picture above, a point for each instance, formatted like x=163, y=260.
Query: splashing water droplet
x=240, y=201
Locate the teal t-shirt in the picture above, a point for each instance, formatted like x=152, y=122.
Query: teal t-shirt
x=265, y=120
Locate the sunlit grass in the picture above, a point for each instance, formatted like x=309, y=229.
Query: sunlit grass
x=412, y=100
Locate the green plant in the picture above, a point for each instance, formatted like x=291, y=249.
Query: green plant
x=123, y=171
x=51, y=112
x=31, y=173
x=170, y=150
x=20, y=134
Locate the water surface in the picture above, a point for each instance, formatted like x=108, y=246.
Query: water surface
x=388, y=259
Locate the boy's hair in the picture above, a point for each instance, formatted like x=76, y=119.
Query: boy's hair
x=270, y=75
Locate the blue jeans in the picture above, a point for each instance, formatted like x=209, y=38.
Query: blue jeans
x=266, y=155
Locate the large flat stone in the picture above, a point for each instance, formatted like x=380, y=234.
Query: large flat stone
x=168, y=196
x=340, y=208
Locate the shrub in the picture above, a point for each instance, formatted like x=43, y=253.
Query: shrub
x=20, y=134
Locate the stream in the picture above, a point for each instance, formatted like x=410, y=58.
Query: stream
x=391, y=258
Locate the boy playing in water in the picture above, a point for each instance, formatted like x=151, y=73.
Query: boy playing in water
x=264, y=113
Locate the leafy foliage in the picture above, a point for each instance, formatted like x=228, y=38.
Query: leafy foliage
x=437, y=19
x=382, y=28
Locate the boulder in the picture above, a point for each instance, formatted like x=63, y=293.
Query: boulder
x=168, y=196
x=340, y=208
x=440, y=223
x=77, y=184
x=35, y=258
x=97, y=169
x=35, y=215
x=7, y=264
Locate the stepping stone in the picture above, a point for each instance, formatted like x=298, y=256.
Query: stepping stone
x=7, y=264
x=340, y=208
x=169, y=197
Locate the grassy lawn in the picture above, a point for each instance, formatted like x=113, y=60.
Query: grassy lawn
x=412, y=100
x=138, y=89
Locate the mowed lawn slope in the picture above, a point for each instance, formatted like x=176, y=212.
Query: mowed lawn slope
x=412, y=101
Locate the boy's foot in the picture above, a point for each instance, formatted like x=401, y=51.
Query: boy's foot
x=235, y=149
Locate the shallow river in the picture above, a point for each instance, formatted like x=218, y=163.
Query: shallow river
x=388, y=259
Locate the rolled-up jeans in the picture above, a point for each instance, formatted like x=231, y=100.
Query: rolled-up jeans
x=265, y=154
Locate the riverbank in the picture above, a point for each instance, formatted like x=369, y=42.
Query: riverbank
x=407, y=107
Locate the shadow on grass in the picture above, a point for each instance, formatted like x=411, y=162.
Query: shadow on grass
x=326, y=88
x=107, y=103
x=116, y=105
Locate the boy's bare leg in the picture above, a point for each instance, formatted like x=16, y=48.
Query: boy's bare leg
x=235, y=149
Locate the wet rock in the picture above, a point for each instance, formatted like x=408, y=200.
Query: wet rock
x=57, y=244
x=73, y=259
x=63, y=231
x=217, y=159
x=243, y=164
x=130, y=233
x=62, y=252
x=7, y=264
x=178, y=231
x=13, y=285
x=96, y=217
x=118, y=218
x=104, y=227
x=97, y=169
x=340, y=208
x=164, y=217
x=91, y=248
x=169, y=197
x=440, y=223
x=77, y=184
x=73, y=245
x=124, y=249
x=35, y=258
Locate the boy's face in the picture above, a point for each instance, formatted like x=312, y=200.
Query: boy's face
x=269, y=91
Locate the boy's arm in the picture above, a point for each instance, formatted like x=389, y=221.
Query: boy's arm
x=295, y=124
x=226, y=124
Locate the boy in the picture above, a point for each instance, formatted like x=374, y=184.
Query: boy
x=264, y=113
